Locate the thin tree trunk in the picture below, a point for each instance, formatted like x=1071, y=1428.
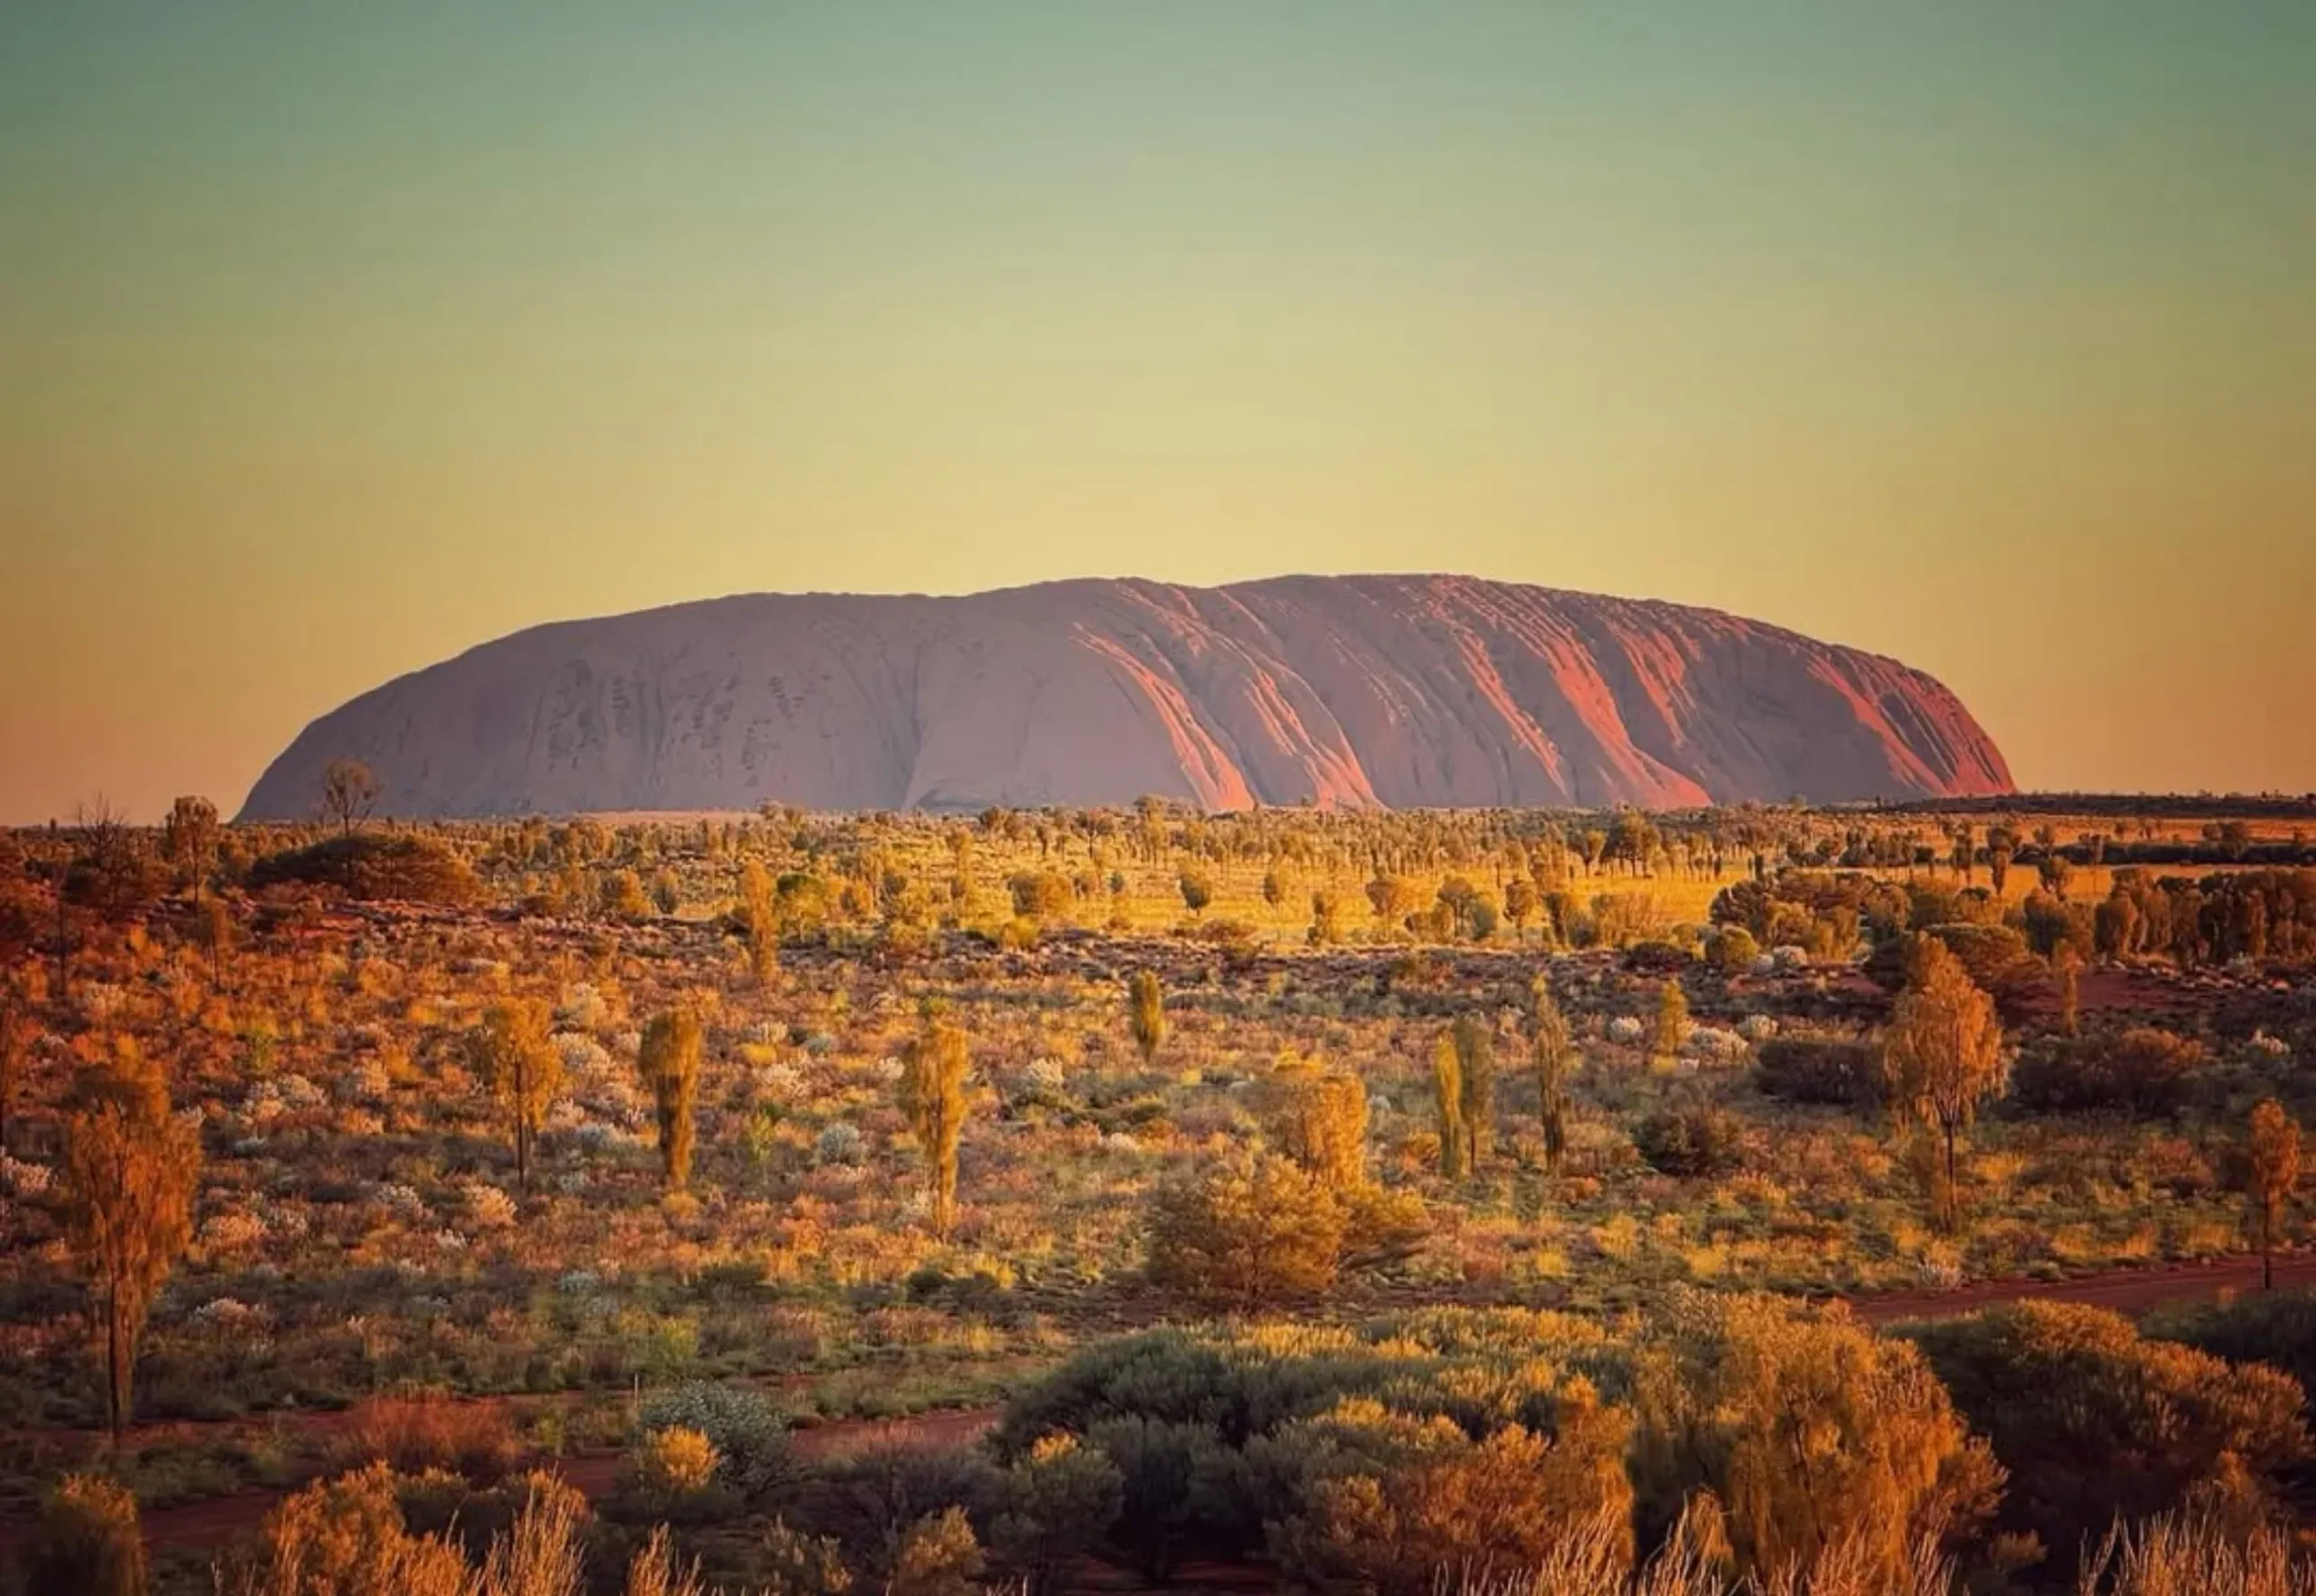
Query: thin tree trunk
x=1953, y=1194
x=114, y=1403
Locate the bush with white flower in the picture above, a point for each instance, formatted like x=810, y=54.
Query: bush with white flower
x=486, y=1206
x=838, y=1143
x=1713, y=1045
x=398, y=1200
x=232, y=1231
x=582, y=1007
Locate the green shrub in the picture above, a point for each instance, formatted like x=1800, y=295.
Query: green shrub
x=1057, y=1501
x=1812, y=1069
x=401, y=867
x=1732, y=950
x=748, y=1432
x=2145, y=1072
x=1689, y=1137
x=1180, y=1487
x=2274, y=1327
x=2095, y=1422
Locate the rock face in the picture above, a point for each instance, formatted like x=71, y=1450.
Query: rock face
x=1336, y=690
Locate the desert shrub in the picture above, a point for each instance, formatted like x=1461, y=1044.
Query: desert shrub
x=1391, y=1499
x=1996, y=957
x=412, y=1434
x=1307, y=1437
x=89, y=1543
x=1039, y=894
x=1688, y=1136
x=1248, y=1231
x=1815, y=1069
x=1821, y=910
x=347, y=1537
x=2274, y=1327
x=2094, y=1421
x=938, y=1556
x=674, y=1463
x=1657, y=956
x=404, y=866
x=1057, y=1501
x=870, y=1501
x=1379, y=1458
x=2145, y=1072
x=1809, y=1431
x=1732, y=950
x=787, y=1562
x=1180, y=1486
x=746, y=1432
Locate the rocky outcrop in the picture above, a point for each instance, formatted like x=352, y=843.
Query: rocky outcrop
x=1335, y=690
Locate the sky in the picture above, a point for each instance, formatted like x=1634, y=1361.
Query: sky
x=337, y=338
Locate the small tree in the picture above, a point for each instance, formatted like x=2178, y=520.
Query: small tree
x=1809, y=1431
x=215, y=931
x=1943, y=1055
x=763, y=926
x=1448, y=1103
x=1318, y=1119
x=1327, y=917
x=349, y=791
x=1475, y=1046
x=1147, y=1003
x=668, y=1061
x=1671, y=1031
x=15, y=1042
x=1198, y=891
x=189, y=838
x=1391, y=897
x=2070, y=966
x=1553, y=1055
x=2274, y=1148
x=1999, y=856
x=510, y=1051
x=131, y=1168
x=1521, y=901
x=933, y=1096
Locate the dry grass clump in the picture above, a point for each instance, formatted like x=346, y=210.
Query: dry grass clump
x=412, y=1434
x=2164, y=1556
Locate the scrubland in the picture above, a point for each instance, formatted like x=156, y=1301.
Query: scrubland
x=1358, y=1202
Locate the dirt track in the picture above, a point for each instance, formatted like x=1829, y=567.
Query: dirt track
x=2126, y=1291
x=194, y=1526
x=201, y=1525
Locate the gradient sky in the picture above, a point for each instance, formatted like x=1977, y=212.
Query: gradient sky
x=334, y=339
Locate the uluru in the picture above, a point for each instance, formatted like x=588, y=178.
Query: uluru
x=1339, y=691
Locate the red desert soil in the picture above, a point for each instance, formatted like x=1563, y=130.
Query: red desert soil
x=200, y=1526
